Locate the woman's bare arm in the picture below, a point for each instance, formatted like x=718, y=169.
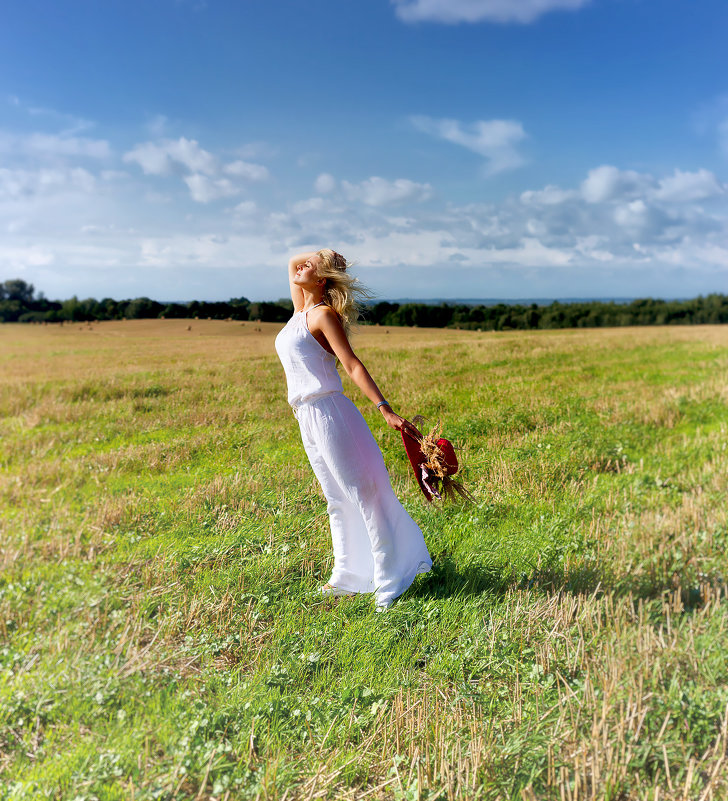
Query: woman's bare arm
x=327, y=323
x=296, y=291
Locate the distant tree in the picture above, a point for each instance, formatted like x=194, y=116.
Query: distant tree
x=239, y=308
x=10, y=310
x=72, y=310
x=175, y=311
x=268, y=312
x=375, y=314
x=108, y=309
x=142, y=308
x=16, y=289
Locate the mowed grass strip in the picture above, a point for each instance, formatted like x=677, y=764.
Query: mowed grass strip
x=163, y=538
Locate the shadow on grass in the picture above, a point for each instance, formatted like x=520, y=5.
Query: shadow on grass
x=448, y=579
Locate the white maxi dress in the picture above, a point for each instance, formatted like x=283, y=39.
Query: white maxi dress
x=377, y=546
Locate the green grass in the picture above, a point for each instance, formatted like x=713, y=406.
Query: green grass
x=163, y=538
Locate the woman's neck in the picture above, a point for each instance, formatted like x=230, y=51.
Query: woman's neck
x=311, y=299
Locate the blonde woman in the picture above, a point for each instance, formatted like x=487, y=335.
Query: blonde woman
x=377, y=546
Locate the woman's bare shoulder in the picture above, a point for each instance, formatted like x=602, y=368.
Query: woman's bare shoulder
x=322, y=315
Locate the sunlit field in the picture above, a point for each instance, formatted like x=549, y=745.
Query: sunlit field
x=163, y=539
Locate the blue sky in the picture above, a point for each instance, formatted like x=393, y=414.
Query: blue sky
x=453, y=148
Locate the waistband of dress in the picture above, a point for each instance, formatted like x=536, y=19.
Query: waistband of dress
x=312, y=399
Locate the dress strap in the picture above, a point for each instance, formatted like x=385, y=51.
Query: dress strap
x=306, y=311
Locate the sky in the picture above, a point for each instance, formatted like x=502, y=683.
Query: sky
x=185, y=149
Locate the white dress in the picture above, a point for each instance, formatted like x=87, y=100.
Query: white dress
x=377, y=546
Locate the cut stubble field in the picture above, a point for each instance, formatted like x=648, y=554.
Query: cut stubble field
x=163, y=538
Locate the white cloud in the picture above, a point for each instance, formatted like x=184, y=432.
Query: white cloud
x=67, y=216
x=200, y=170
x=247, y=170
x=155, y=254
x=589, y=246
x=454, y=11
x=68, y=146
x=324, y=184
x=245, y=209
x=54, y=145
x=632, y=215
x=21, y=258
x=713, y=255
x=43, y=182
x=167, y=155
x=494, y=140
x=530, y=252
x=204, y=189
x=608, y=183
x=684, y=187
x=309, y=206
x=376, y=191
x=153, y=159
x=548, y=196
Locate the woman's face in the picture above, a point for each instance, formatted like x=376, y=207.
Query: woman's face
x=306, y=275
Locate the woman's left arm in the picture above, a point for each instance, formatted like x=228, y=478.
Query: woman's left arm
x=335, y=335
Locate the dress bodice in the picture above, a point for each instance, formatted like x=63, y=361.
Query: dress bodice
x=310, y=369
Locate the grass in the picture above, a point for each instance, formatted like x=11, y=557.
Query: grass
x=163, y=538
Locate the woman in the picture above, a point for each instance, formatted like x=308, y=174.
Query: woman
x=377, y=546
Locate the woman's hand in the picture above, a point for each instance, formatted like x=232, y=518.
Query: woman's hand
x=399, y=423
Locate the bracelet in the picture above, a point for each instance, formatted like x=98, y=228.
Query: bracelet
x=383, y=403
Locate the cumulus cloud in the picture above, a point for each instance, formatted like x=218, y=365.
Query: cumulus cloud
x=376, y=191
x=494, y=140
x=548, y=196
x=247, y=170
x=309, y=206
x=19, y=183
x=204, y=189
x=45, y=145
x=614, y=221
x=200, y=170
x=503, y=11
x=324, y=184
x=54, y=144
x=168, y=155
x=632, y=215
x=682, y=187
x=530, y=252
x=246, y=208
x=607, y=183
x=19, y=259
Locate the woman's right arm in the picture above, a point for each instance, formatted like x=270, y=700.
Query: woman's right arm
x=296, y=291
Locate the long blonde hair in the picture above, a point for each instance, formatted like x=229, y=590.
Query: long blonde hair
x=344, y=293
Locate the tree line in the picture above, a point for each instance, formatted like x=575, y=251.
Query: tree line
x=19, y=303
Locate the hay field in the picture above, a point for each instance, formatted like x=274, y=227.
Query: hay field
x=163, y=538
